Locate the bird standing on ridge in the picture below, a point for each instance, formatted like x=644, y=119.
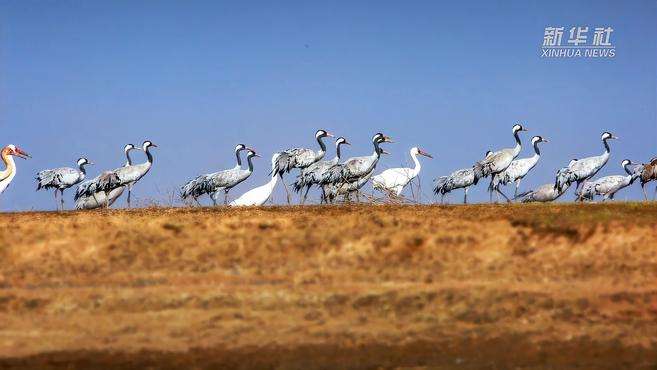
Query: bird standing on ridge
x=312, y=174
x=393, y=180
x=258, y=196
x=61, y=179
x=355, y=171
x=518, y=169
x=7, y=154
x=229, y=179
x=124, y=176
x=608, y=186
x=463, y=178
x=87, y=195
x=224, y=180
x=583, y=169
x=498, y=161
x=299, y=158
x=649, y=173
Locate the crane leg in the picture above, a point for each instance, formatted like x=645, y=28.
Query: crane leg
x=303, y=200
x=129, y=195
x=285, y=187
x=225, y=197
x=645, y=195
x=61, y=198
x=504, y=195
x=515, y=193
x=655, y=195
x=465, y=196
x=56, y=202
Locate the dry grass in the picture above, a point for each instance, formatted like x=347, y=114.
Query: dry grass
x=531, y=286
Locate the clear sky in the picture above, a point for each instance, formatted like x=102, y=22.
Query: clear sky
x=83, y=78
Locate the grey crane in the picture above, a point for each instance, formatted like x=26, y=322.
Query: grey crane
x=543, y=193
x=459, y=179
x=518, y=169
x=356, y=167
x=61, y=179
x=312, y=174
x=88, y=195
x=200, y=185
x=128, y=175
x=346, y=186
x=299, y=158
x=608, y=186
x=498, y=161
x=583, y=169
x=548, y=192
x=225, y=180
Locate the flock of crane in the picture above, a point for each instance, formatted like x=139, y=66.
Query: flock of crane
x=334, y=178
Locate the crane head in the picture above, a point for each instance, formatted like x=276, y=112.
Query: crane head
x=148, y=144
x=239, y=148
x=83, y=161
x=539, y=139
x=322, y=133
x=518, y=127
x=608, y=135
x=12, y=149
x=418, y=151
x=341, y=140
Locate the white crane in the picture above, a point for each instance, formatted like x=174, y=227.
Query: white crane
x=8, y=153
x=498, y=161
x=393, y=180
x=61, y=179
x=583, y=169
x=312, y=174
x=87, y=195
x=608, y=186
x=226, y=180
x=459, y=179
x=299, y=158
x=259, y=195
x=518, y=169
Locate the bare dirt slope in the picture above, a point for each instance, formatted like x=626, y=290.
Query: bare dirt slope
x=455, y=287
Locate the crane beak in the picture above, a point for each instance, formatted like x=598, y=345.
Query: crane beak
x=153, y=145
x=387, y=139
x=422, y=152
x=346, y=142
x=256, y=155
x=546, y=140
x=614, y=137
x=21, y=154
x=329, y=134
x=384, y=152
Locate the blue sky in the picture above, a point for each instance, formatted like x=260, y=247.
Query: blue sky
x=197, y=77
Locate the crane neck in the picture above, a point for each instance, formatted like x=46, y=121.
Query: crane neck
x=418, y=166
x=249, y=161
x=337, y=151
x=128, y=159
x=82, y=169
x=607, y=148
x=377, y=150
x=10, y=166
x=518, y=146
x=537, y=151
x=322, y=147
x=149, y=155
x=239, y=160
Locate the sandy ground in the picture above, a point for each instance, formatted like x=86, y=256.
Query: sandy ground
x=349, y=287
